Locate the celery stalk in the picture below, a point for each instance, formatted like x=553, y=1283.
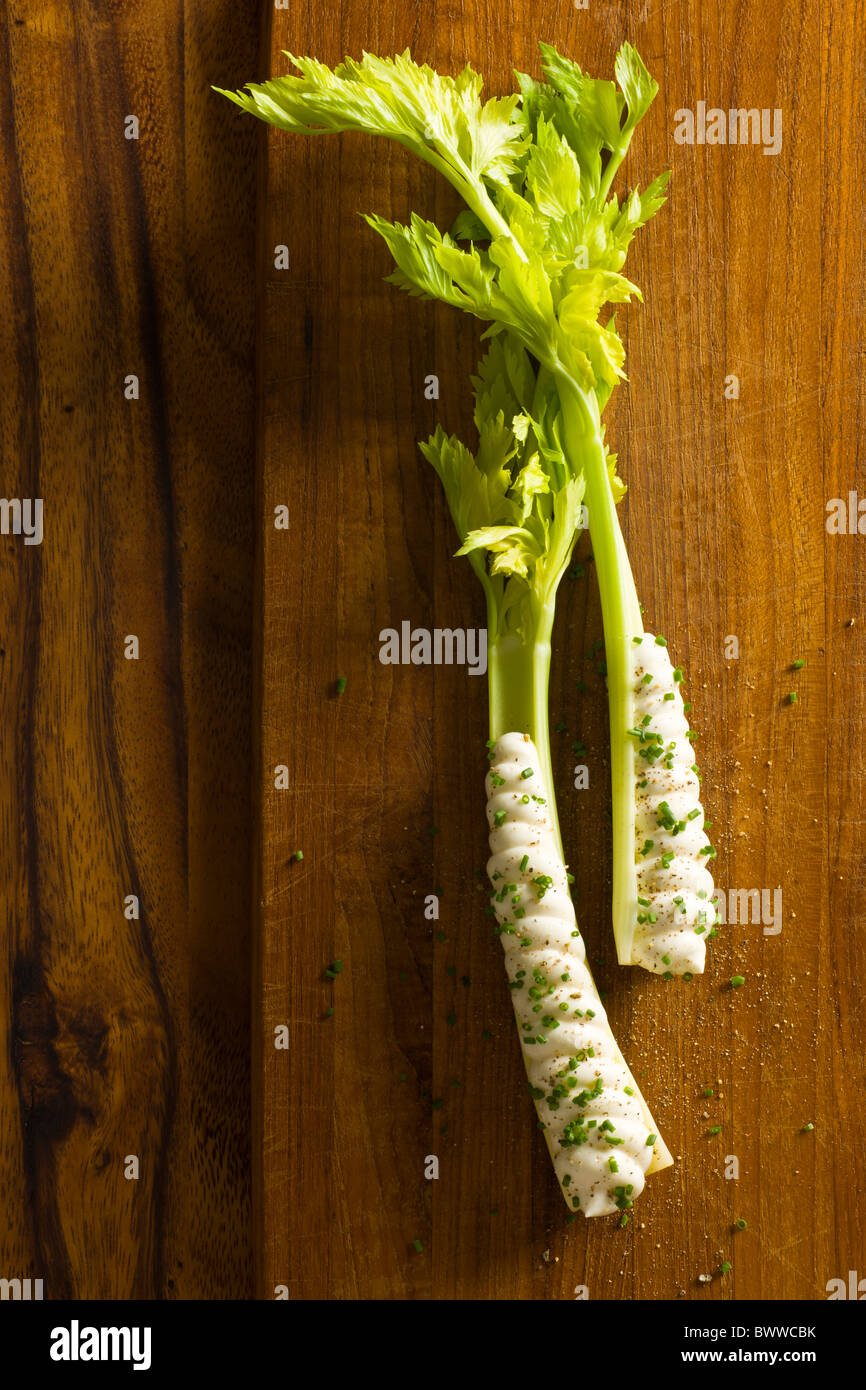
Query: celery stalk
x=622, y=621
x=537, y=254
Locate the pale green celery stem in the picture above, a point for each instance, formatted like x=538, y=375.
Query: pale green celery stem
x=473, y=193
x=622, y=621
x=616, y=158
x=484, y=208
x=518, y=676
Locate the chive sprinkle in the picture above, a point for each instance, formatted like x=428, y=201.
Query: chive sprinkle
x=341, y=684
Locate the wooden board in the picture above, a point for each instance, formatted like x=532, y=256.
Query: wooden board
x=755, y=269
x=125, y=1037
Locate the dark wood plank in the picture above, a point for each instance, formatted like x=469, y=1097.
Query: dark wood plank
x=128, y=1037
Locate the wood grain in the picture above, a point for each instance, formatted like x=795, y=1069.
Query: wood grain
x=126, y=1037
x=755, y=268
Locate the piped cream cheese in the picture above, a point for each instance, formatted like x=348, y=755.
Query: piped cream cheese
x=600, y=1134
x=672, y=852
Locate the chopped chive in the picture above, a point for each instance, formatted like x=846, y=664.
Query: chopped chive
x=341, y=684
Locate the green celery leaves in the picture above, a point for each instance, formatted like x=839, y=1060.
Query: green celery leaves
x=536, y=254
x=429, y=113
